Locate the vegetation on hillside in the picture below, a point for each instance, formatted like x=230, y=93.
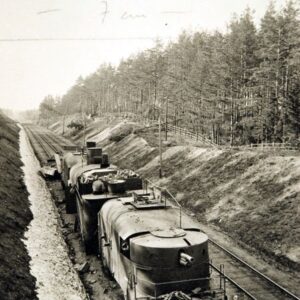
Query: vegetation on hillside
x=236, y=88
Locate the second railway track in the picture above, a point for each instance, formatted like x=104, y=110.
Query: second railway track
x=251, y=283
x=45, y=143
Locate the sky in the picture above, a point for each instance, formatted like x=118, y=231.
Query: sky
x=45, y=45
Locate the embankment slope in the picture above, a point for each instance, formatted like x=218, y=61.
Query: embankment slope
x=252, y=196
x=15, y=215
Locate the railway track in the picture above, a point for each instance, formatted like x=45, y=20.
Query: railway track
x=45, y=143
x=241, y=278
x=249, y=282
x=57, y=141
x=40, y=148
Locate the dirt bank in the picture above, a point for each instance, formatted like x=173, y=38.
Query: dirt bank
x=16, y=282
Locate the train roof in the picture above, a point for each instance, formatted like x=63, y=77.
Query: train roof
x=82, y=167
x=128, y=220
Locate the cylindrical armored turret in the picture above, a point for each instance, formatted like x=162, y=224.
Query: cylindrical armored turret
x=166, y=258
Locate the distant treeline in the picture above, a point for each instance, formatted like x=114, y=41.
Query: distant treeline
x=237, y=88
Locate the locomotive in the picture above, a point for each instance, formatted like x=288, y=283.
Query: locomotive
x=148, y=253
x=149, y=246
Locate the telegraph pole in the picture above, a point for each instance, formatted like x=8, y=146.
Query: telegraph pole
x=166, y=119
x=63, y=132
x=84, y=127
x=160, y=150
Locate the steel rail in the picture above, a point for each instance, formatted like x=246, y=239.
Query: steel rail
x=49, y=139
x=233, y=282
x=33, y=137
x=62, y=140
x=255, y=271
x=58, y=141
x=41, y=142
x=43, y=139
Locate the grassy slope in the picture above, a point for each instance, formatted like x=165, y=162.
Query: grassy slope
x=248, y=195
x=15, y=215
x=253, y=196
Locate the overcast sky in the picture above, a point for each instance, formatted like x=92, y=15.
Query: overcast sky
x=37, y=60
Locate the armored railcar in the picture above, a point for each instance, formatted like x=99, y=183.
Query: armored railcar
x=93, y=181
x=148, y=251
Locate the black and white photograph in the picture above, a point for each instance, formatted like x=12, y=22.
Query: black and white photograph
x=150, y=150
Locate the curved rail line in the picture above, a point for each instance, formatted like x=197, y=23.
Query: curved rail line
x=245, y=265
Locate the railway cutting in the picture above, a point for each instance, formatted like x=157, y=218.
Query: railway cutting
x=136, y=232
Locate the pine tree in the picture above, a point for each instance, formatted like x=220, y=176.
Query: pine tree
x=290, y=52
x=241, y=44
x=267, y=76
